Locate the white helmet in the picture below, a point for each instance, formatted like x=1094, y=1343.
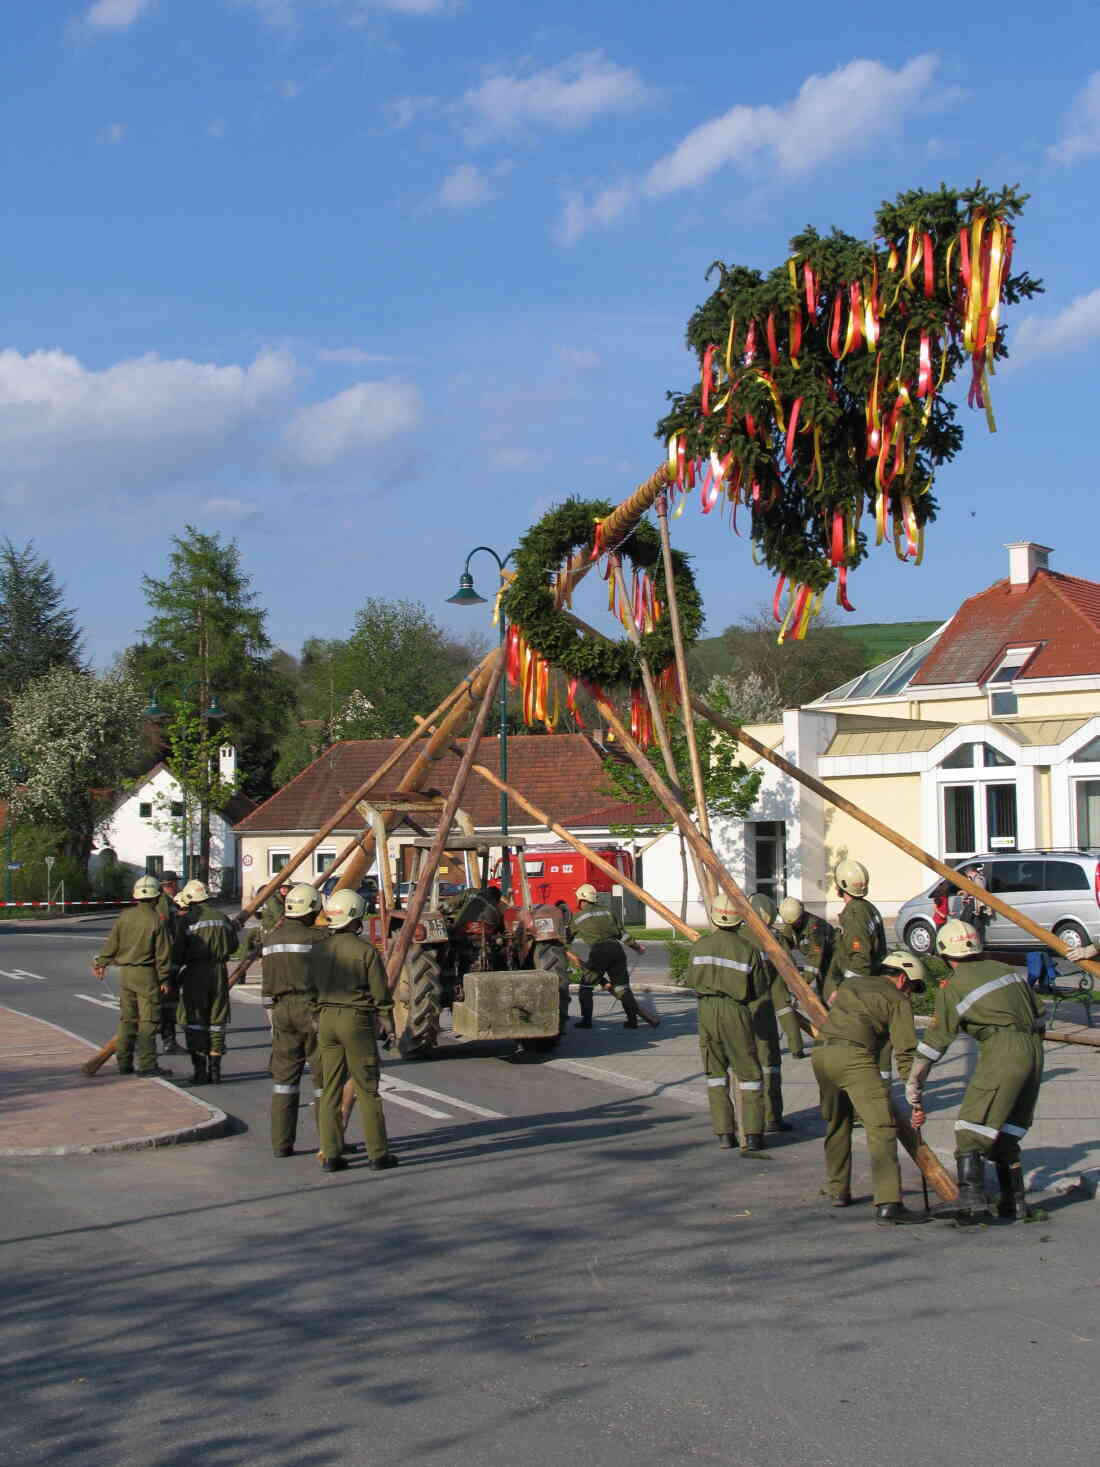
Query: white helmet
x=723, y=913
x=302, y=900
x=790, y=909
x=958, y=940
x=343, y=908
x=906, y=963
x=852, y=877
x=587, y=893
x=146, y=889
x=194, y=891
x=763, y=906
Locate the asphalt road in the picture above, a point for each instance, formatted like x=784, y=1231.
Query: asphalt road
x=580, y=1277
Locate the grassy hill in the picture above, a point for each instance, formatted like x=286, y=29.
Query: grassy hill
x=881, y=640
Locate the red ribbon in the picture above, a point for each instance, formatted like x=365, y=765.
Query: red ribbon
x=775, y=600
x=842, y=589
x=837, y=554
x=750, y=344
x=571, y=702
x=773, y=349
x=834, y=329
x=708, y=357
x=929, y=268
x=811, y=290
x=792, y=425
x=924, y=376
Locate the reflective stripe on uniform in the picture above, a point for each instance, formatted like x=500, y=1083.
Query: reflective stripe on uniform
x=284, y=1090
x=973, y=1126
x=886, y=1074
x=770, y=1069
x=994, y=983
x=210, y=922
x=928, y=1051
x=712, y=1081
x=289, y=947
x=723, y=963
x=217, y=1028
x=1014, y=1130
x=780, y=1012
x=750, y=1084
x=196, y=1026
x=851, y=973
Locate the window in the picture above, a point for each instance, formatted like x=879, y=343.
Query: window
x=1015, y=875
x=276, y=860
x=967, y=755
x=320, y=860
x=1010, y=665
x=177, y=809
x=1088, y=754
x=960, y=758
x=1065, y=876
x=145, y=809
x=1000, y=816
x=154, y=866
x=1003, y=705
x=1088, y=813
x=958, y=820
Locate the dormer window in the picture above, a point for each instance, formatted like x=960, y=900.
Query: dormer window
x=1003, y=702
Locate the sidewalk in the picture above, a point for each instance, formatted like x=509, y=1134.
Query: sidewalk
x=48, y=1108
x=1063, y=1144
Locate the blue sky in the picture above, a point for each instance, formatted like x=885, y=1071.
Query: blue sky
x=364, y=283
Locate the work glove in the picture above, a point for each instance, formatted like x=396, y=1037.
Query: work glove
x=1081, y=954
x=914, y=1086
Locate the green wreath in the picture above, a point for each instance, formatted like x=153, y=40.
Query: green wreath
x=528, y=601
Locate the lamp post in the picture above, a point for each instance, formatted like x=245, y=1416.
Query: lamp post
x=210, y=711
x=17, y=770
x=467, y=596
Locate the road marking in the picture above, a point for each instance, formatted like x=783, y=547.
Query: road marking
x=23, y=973
x=478, y=1110
x=388, y=1092
x=104, y=1003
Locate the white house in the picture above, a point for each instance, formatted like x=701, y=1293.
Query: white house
x=153, y=828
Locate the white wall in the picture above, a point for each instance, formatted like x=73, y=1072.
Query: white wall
x=134, y=837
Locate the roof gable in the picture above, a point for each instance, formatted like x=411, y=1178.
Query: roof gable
x=1058, y=614
x=561, y=773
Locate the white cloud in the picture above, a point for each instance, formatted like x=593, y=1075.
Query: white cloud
x=216, y=127
x=229, y=509
x=359, y=418
x=832, y=115
x=114, y=132
x=466, y=186
x=581, y=357
x=402, y=112
x=1082, y=139
x=350, y=356
x=283, y=14
x=115, y=15
x=563, y=97
x=1044, y=336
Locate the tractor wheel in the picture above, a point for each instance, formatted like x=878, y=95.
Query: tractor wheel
x=550, y=958
x=423, y=994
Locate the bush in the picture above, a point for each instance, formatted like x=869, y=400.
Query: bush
x=31, y=844
x=679, y=961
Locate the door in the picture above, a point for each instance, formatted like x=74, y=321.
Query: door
x=770, y=858
x=1020, y=883
x=1067, y=894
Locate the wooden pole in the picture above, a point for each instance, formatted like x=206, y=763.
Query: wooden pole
x=396, y=960
x=925, y=1158
x=702, y=812
x=910, y=848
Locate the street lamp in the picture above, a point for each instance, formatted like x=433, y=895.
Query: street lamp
x=210, y=711
x=467, y=596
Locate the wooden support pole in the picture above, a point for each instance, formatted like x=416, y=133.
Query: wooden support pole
x=702, y=813
x=419, y=895
x=990, y=899
x=925, y=1158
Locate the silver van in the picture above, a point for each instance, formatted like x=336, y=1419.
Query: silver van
x=1060, y=890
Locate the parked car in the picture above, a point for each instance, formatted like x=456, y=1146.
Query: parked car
x=1060, y=890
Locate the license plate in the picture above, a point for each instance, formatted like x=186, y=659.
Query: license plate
x=435, y=930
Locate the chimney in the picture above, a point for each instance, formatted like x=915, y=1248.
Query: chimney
x=1025, y=557
x=227, y=763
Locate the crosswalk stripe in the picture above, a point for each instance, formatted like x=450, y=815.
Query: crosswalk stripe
x=25, y=973
x=104, y=1003
x=478, y=1110
x=388, y=1093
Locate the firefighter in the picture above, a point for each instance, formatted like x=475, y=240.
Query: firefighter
x=140, y=948
x=867, y=1008
x=286, y=951
x=206, y=939
x=347, y=988
x=606, y=960
x=995, y=1005
x=765, y=1026
x=730, y=979
x=782, y=999
x=169, y=913
x=271, y=913
x=812, y=936
x=860, y=943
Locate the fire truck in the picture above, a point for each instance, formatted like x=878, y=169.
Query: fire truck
x=554, y=872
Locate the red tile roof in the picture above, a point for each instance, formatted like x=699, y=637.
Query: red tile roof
x=560, y=773
x=1059, y=614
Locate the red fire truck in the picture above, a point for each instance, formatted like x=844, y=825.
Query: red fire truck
x=555, y=872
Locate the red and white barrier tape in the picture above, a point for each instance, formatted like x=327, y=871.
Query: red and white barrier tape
x=126, y=903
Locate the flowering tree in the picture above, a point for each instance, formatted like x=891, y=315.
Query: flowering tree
x=74, y=738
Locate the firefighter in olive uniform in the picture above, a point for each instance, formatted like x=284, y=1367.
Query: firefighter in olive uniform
x=606, y=960
x=348, y=990
x=812, y=936
x=782, y=1000
x=730, y=980
x=286, y=951
x=140, y=948
x=860, y=943
x=169, y=913
x=766, y=1027
x=205, y=940
x=994, y=1004
x=867, y=1009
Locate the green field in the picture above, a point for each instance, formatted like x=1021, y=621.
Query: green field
x=882, y=640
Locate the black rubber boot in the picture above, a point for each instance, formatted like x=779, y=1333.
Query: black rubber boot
x=630, y=1004
x=970, y=1168
x=199, y=1072
x=893, y=1214
x=753, y=1141
x=1013, y=1201
x=168, y=1039
x=214, y=1069
x=382, y=1163
x=585, y=1020
x=334, y=1164
x=727, y=1140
